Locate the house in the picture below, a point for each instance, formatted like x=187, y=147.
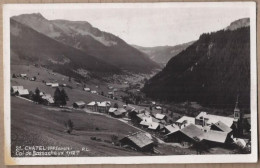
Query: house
x=204, y=119
x=158, y=107
x=147, y=121
x=160, y=116
x=171, y=128
x=48, y=84
x=117, y=112
x=139, y=141
x=186, y=134
x=92, y=106
x=16, y=88
x=22, y=92
x=54, y=85
x=79, y=104
x=23, y=75
x=110, y=93
x=103, y=106
x=93, y=91
x=220, y=126
x=86, y=89
x=48, y=99
x=216, y=138
x=185, y=121
x=155, y=126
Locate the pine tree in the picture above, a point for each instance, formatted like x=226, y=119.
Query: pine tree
x=36, y=97
x=63, y=97
x=57, y=97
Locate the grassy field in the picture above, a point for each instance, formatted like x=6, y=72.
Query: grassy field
x=37, y=125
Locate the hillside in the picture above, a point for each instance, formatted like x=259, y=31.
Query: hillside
x=82, y=35
x=29, y=46
x=162, y=54
x=212, y=71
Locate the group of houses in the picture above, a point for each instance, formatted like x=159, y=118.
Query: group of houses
x=22, y=92
x=208, y=129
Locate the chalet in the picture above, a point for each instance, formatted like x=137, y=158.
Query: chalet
x=171, y=128
x=139, y=141
x=22, y=92
x=93, y=91
x=158, y=107
x=110, y=93
x=160, y=116
x=204, y=119
x=103, y=107
x=48, y=84
x=186, y=134
x=86, y=89
x=220, y=126
x=54, y=85
x=148, y=121
x=48, y=99
x=16, y=88
x=185, y=121
x=216, y=138
x=92, y=106
x=23, y=75
x=79, y=104
x=117, y=112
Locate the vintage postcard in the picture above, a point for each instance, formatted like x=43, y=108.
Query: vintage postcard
x=130, y=83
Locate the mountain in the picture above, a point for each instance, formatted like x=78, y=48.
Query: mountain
x=213, y=71
x=245, y=22
x=83, y=36
x=29, y=46
x=162, y=54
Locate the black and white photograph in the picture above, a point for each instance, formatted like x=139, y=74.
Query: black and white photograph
x=126, y=83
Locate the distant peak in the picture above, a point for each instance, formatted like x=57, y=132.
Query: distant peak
x=243, y=22
x=35, y=15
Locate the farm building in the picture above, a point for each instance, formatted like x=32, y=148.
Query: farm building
x=216, y=138
x=184, y=121
x=48, y=84
x=23, y=75
x=208, y=119
x=148, y=121
x=16, y=88
x=171, y=128
x=220, y=126
x=22, y=92
x=48, y=99
x=186, y=134
x=160, y=116
x=92, y=106
x=54, y=85
x=155, y=126
x=79, y=104
x=139, y=141
x=117, y=112
x=86, y=89
x=93, y=91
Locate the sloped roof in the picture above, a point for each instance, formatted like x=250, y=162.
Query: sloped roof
x=159, y=116
x=172, y=128
x=112, y=109
x=80, y=103
x=192, y=131
x=87, y=89
x=189, y=120
x=222, y=126
x=140, y=139
x=54, y=84
x=23, y=92
x=16, y=88
x=215, y=136
x=153, y=125
x=212, y=119
x=91, y=103
x=104, y=103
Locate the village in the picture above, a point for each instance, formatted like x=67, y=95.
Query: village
x=154, y=123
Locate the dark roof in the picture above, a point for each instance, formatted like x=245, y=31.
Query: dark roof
x=192, y=131
x=140, y=139
x=223, y=127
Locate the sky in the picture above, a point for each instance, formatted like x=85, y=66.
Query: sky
x=145, y=24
